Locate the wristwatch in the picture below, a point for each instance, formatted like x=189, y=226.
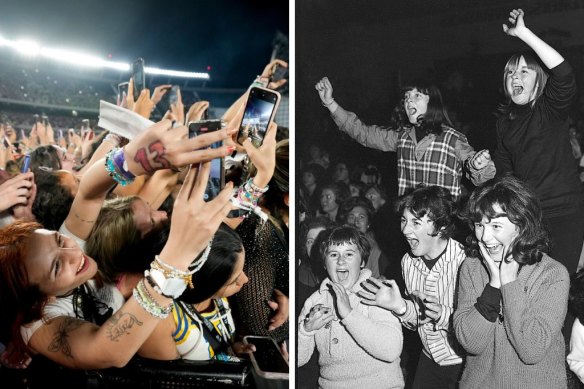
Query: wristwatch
x=168, y=287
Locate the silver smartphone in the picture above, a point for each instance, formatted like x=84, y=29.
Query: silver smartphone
x=267, y=361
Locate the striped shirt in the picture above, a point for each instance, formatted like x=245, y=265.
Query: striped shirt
x=440, y=282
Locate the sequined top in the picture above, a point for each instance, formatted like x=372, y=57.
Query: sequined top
x=266, y=265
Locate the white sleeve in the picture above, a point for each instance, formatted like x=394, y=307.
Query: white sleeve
x=576, y=356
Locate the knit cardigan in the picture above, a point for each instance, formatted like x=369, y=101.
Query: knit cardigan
x=361, y=351
x=524, y=347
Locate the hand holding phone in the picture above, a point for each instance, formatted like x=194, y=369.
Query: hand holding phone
x=217, y=176
x=138, y=76
x=259, y=112
x=268, y=360
x=25, y=163
x=122, y=93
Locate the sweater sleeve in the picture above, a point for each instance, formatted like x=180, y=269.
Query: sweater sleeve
x=489, y=303
x=473, y=331
x=534, y=318
x=380, y=334
x=560, y=90
x=576, y=357
x=306, y=342
x=375, y=137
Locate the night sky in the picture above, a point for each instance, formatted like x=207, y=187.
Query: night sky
x=233, y=37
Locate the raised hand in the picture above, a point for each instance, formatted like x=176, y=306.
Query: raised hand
x=325, y=91
x=159, y=91
x=341, y=297
x=480, y=159
x=384, y=294
x=196, y=111
x=318, y=317
x=264, y=157
x=516, y=22
x=194, y=221
x=164, y=147
x=268, y=73
x=17, y=191
x=279, y=305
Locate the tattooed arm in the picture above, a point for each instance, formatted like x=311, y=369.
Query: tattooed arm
x=80, y=344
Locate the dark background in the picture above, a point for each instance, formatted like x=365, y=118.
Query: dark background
x=369, y=49
x=233, y=37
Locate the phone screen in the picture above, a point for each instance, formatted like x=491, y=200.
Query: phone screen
x=259, y=111
x=138, y=76
x=267, y=355
x=122, y=92
x=217, y=175
x=25, y=163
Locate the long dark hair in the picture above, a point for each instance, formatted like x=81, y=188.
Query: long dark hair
x=219, y=267
x=521, y=207
x=435, y=116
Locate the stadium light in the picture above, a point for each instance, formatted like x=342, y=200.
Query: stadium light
x=33, y=49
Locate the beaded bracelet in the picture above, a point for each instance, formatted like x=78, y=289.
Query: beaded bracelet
x=115, y=165
x=258, y=82
x=148, y=303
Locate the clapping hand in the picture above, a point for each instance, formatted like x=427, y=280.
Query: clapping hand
x=384, y=294
x=318, y=317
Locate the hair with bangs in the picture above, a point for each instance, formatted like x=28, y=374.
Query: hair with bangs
x=521, y=206
x=345, y=235
x=435, y=115
x=434, y=201
x=541, y=77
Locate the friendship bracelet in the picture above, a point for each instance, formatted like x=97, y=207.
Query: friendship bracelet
x=328, y=104
x=114, y=165
x=145, y=300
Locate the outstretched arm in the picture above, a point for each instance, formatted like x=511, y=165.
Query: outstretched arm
x=549, y=56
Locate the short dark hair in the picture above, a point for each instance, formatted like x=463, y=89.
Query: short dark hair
x=521, y=206
x=345, y=234
x=352, y=202
x=434, y=201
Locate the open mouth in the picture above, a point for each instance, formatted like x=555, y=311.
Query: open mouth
x=516, y=90
x=342, y=274
x=412, y=111
x=494, y=249
x=413, y=243
x=83, y=265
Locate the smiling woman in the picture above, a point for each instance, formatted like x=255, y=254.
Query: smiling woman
x=513, y=297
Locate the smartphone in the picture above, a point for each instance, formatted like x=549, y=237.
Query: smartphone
x=139, y=77
x=45, y=120
x=267, y=360
x=217, y=176
x=170, y=97
x=85, y=124
x=37, y=118
x=25, y=163
x=122, y=92
x=259, y=112
x=278, y=73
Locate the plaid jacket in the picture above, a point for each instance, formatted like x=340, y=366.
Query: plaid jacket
x=433, y=160
x=438, y=165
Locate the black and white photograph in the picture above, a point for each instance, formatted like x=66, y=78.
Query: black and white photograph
x=439, y=194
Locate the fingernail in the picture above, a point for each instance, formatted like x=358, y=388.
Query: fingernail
x=230, y=149
x=270, y=328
